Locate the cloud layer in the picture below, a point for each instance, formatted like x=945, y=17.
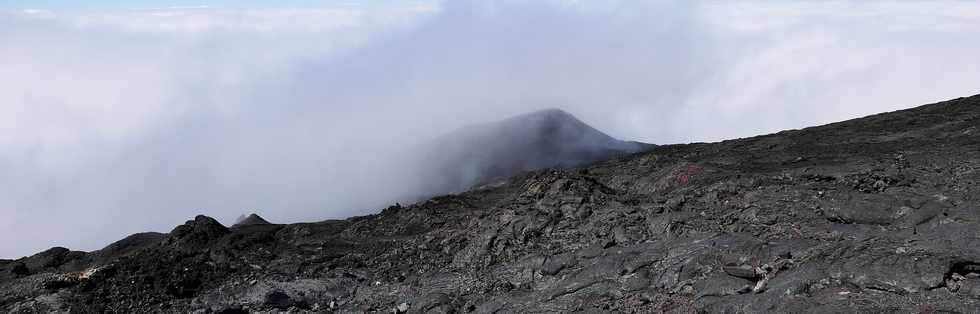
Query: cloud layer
x=114, y=122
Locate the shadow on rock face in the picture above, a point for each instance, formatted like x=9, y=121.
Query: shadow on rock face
x=129, y=245
x=278, y=299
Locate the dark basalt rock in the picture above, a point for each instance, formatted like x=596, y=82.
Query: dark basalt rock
x=231, y=310
x=19, y=268
x=197, y=234
x=51, y=258
x=877, y=214
x=132, y=243
x=278, y=299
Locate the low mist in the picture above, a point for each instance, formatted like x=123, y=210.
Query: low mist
x=484, y=153
x=118, y=121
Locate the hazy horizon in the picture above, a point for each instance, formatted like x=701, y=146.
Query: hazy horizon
x=125, y=117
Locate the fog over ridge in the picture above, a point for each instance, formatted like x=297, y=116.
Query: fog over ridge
x=482, y=153
x=113, y=122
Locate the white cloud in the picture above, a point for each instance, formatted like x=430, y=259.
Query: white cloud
x=113, y=122
x=87, y=95
x=790, y=65
x=80, y=76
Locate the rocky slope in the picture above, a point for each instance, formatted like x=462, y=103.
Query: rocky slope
x=878, y=214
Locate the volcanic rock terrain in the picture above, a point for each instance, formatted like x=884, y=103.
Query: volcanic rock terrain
x=878, y=214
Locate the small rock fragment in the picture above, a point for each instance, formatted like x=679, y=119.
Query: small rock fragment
x=402, y=308
x=741, y=271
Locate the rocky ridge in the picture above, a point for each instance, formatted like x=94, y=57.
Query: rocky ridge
x=877, y=214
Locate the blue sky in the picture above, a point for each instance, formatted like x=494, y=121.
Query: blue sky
x=146, y=4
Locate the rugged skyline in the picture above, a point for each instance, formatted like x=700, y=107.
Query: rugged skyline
x=116, y=120
x=872, y=215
